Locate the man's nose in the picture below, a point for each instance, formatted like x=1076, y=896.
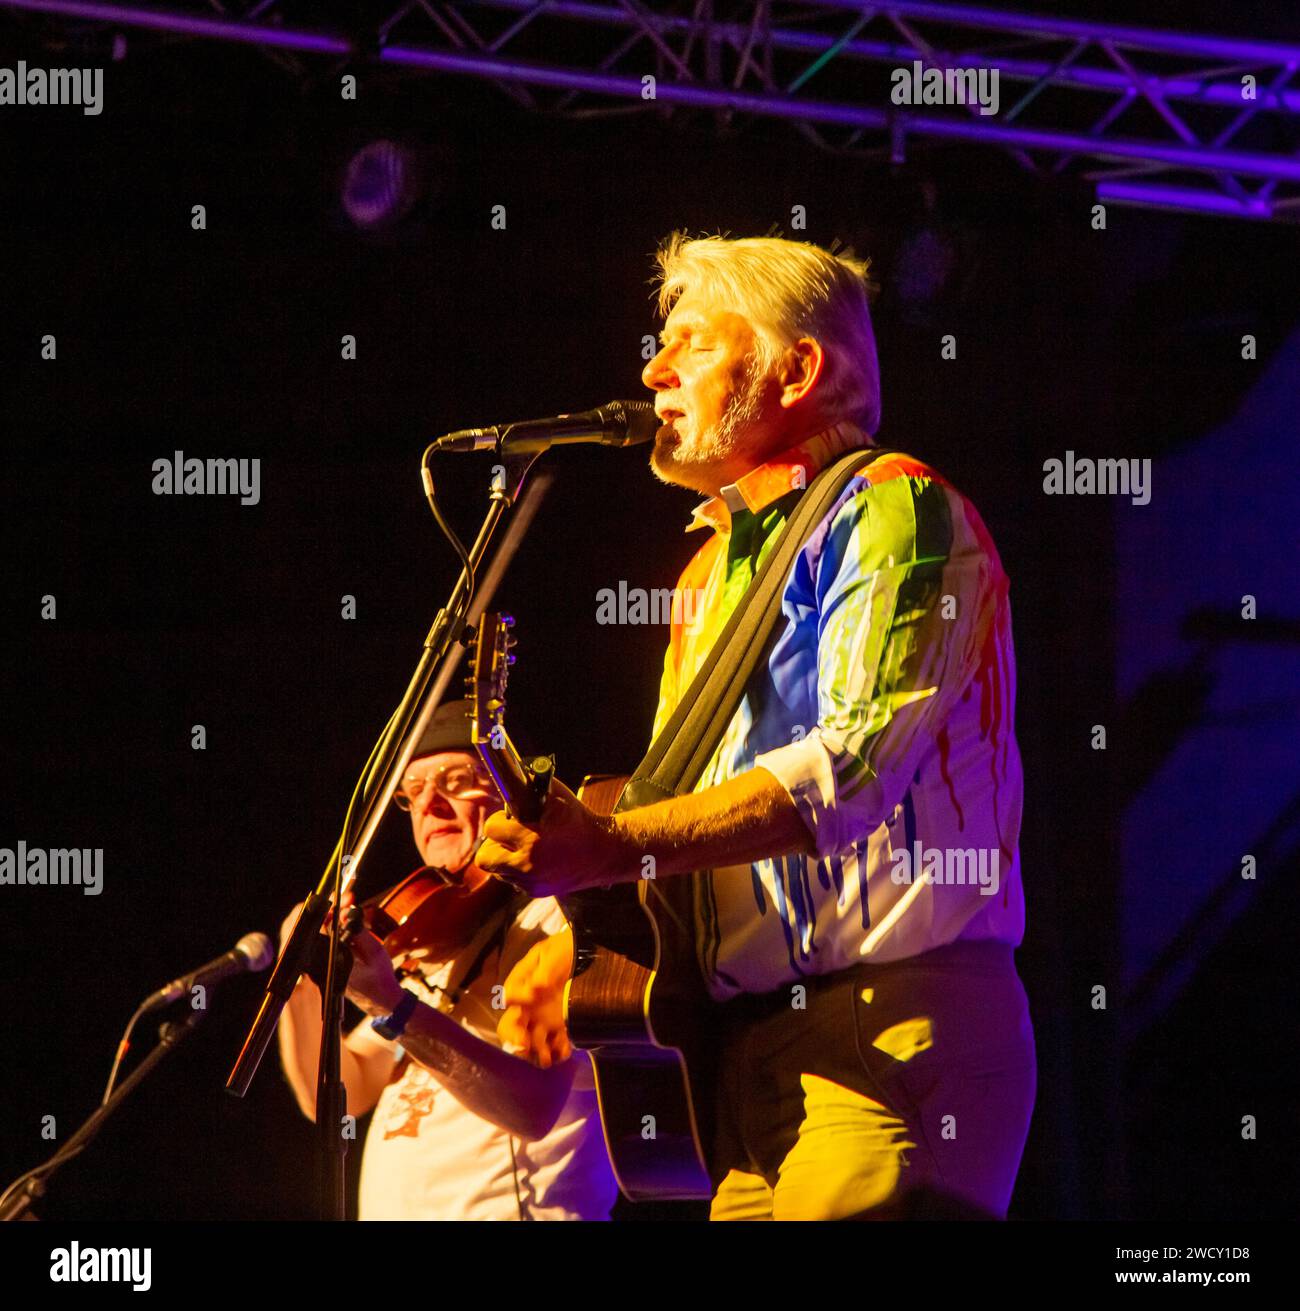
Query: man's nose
x=659, y=374
x=436, y=804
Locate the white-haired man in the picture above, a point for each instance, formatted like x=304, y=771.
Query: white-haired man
x=859, y=822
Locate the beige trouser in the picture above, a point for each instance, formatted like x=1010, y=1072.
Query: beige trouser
x=900, y=1091
x=848, y=1159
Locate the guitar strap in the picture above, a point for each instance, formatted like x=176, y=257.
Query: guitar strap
x=684, y=746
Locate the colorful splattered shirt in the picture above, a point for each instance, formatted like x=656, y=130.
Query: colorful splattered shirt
x=885, y=710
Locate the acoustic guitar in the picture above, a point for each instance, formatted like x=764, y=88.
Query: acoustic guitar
x=636, y=1000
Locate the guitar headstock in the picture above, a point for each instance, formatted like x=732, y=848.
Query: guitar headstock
x=487, y=683
x=522, y=786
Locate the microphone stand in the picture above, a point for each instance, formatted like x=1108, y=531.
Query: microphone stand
x=441, y=652
x=17, y=1199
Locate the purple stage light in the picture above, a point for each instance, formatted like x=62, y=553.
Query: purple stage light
x=379, y=185
x=1151, y=195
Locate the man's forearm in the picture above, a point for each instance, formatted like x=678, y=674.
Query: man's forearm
x=518, y=1097
x=299, y=1034
x=747, y=818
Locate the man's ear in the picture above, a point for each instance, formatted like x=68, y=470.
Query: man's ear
x=800, y=369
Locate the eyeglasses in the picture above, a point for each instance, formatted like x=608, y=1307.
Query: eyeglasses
x=456, y=782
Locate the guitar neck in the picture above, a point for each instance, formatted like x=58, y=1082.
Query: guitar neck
x=522, y=785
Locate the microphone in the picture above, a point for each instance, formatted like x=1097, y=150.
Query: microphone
x=252, y=953
x=620, y=423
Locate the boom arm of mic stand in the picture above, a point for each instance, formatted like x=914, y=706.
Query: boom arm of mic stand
x=424, y=691
x=279, y=988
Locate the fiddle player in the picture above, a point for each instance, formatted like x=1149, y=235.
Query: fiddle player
x=462, y=1129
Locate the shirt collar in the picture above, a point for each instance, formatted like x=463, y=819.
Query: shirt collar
x=795, y=466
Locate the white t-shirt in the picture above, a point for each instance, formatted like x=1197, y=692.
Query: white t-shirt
x=428, y=1157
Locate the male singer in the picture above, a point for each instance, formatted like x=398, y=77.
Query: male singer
x=857, y=829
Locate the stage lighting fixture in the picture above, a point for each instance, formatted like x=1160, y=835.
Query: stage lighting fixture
x=380, y=184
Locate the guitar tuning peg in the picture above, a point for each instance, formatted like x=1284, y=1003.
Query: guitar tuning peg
x=510, y=659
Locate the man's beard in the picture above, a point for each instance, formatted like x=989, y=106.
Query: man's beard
x=719, y=441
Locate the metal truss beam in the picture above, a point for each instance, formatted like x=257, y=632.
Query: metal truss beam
x=1195, y=139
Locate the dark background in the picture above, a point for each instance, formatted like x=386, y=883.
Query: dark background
x=176, y=611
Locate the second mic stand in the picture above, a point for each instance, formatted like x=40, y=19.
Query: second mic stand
x=19, y=1196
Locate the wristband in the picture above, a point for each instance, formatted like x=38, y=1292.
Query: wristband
x=393, y=1026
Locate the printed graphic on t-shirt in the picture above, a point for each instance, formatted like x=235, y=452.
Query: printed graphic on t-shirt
x=413, y=1102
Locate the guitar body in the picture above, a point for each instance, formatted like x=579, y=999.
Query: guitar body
x=637, y=1004
x=635, y=1001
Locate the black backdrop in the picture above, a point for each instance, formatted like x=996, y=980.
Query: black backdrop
x=179, y=611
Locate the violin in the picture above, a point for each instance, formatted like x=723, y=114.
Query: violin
x=427, y=911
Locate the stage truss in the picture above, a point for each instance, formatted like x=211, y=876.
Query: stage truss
x=1195, y=123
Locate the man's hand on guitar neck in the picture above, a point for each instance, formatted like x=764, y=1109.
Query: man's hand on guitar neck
x=750, y=817
x=568, y=849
